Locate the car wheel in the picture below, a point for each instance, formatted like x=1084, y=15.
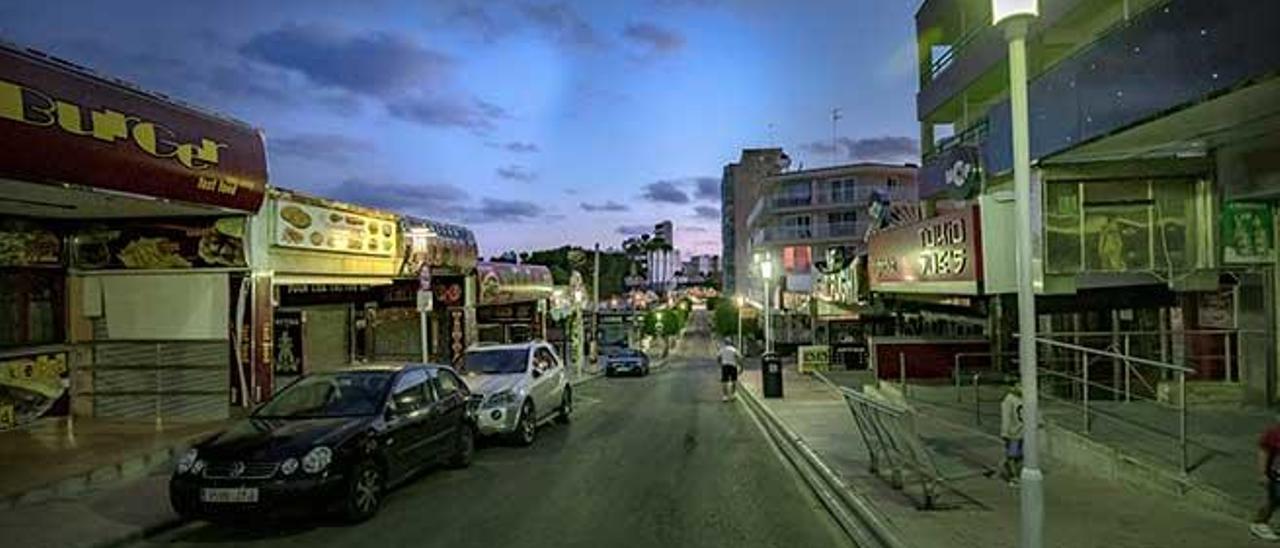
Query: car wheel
x=527, y=428
x=566, y=407
x=364, y=492
x=465, y=447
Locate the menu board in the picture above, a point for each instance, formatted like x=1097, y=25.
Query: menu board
x=306, y=226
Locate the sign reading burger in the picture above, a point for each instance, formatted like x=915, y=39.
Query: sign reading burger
x=63, y=124
x=940, y=255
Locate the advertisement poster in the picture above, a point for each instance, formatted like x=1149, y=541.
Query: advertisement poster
x=288, y=342
x=30, y=386
x=306, y=226
x=23, y=243
x=814, y=358
x=176, y=244
x=1247, y=233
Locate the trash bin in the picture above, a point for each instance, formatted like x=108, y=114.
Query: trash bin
x=771, y=373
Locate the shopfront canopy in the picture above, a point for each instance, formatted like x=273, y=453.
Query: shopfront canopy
x=503, y=283
x=436, y=245
x=63, y=125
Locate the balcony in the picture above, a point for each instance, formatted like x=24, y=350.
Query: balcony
x=817, y=233
x=1170, y=58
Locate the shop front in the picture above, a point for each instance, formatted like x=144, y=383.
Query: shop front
x=512, y=304
x=330, y=265
x=440, y=261
x=930, y=281
x=123, y=270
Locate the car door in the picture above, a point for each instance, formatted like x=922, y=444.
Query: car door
x=452, y=410
x=408, y=423
x=552, y=377
x=538, y=383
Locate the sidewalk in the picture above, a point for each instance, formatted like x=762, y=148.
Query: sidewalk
x=981, y=511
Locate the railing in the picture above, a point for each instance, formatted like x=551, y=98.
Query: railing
x=937, y=66
x=811, y=232
x=893, y=443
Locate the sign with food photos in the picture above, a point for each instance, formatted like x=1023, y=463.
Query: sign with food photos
x=317, y=228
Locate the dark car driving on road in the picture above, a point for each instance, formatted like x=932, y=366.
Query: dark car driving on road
x=331, y=441
x=625, y=361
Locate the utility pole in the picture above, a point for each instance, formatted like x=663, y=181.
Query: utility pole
x=595, y=308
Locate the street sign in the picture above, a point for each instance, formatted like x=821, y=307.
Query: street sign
x=426, y=300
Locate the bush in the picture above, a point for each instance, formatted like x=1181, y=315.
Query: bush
x=725, y=321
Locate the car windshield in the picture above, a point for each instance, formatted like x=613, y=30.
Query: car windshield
x=497, y=361
x=329, y=395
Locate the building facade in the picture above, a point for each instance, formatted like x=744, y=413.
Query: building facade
x=739, y=188
x=799, y=217
x=1154, y=140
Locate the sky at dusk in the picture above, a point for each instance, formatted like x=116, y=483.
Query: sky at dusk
x=534, y=123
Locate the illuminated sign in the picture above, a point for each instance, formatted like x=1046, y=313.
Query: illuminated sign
x=941, y=255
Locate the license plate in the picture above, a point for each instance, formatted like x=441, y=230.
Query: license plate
x=240, y=494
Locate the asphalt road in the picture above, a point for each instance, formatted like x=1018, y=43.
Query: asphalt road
x=657, y=461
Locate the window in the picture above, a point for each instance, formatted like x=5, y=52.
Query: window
x=543, y=359
x=411, y=392
x=447, y=384
x=844, y=191
x=797, y=259
x=31, y=307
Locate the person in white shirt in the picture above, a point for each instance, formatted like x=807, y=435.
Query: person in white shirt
x=730, y=364
x=1011, y=426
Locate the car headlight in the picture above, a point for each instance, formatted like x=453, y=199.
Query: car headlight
x=187, y=461
x=289, y=466
x=501, y=399
x=317, y=459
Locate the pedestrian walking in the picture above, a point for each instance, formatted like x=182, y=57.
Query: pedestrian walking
x=1011, y=426
x=1269, y=476
x=730, y=364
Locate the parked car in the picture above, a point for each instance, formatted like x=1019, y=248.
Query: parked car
x=517, y=387
x=329, y=441
x=625, y=360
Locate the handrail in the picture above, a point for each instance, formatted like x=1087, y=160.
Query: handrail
x=1170, y=332
x=879, y=405
x=1116, y=355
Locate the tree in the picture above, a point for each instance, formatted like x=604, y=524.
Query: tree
x=725, y=321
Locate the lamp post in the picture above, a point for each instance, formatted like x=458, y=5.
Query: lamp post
x=740, y=302
x=1015, y=16
x=766, y=272
x=579, y=355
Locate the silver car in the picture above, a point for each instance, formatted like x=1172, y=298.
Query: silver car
x=517, y=387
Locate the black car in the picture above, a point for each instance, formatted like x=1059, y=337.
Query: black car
x=329, y=441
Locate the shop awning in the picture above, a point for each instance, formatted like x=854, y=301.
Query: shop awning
x=502, y=283
x=115, y=137
x=437, y=245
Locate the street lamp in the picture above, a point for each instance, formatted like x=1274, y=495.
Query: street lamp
x=579, y=355
x=741, y=301
x=766, y=272
x=1015, y=16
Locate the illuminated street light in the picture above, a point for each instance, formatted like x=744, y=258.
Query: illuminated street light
x=1015, y=16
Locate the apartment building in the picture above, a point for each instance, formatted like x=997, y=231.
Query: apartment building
x=739, y=187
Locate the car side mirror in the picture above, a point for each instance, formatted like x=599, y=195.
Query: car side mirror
x=537, y=372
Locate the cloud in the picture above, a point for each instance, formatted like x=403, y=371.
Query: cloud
x=379, y=64
x=655, y=40
x=475, y=115
x=428, y=199
x=564, y=25
x=519, y=147
x=608, y=205
x=516, y=173
x=493, y=210
x=321, y=147
x=707, y=188
x=707, y=212
x=477, y=18
x=632, y=230
x=665, y=192
x=693, y=228
x=887, y=149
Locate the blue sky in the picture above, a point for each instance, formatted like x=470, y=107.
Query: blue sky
x=534, y=122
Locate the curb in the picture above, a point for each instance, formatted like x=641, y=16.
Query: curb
x=147, y=531
x=130, y=468
x=855, y=515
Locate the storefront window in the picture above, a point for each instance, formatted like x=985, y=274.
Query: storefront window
x=1119, y=226
x=31, y=307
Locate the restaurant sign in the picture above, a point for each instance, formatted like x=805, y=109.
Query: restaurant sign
x=940, y=254
x=314, y=227
x=62, y=124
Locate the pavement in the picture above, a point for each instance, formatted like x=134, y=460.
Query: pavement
x=977, y=509
x=648, y=461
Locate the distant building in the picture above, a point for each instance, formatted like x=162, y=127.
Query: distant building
x=665, y=231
